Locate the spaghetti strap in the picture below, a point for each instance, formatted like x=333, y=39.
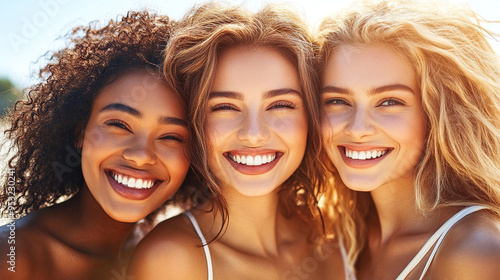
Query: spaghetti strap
x=436, y=240
x=203, y=242
x=349, y=274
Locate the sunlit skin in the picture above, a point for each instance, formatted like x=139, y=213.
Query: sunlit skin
x=136, y=129
x=255, y=107
x=264, y=119
x=372, y=104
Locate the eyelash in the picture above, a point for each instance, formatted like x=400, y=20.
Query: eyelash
x=173, y=137
x=223, y=106
x=397, y=102
x=336, y=101
x=119, y=124
x=282, y=104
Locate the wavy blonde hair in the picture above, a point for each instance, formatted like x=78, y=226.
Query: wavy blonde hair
x=190, y=61
x=459, y=81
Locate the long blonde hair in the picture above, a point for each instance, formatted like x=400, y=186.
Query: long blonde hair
x=459, y=81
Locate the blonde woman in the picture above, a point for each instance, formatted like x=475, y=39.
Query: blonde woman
x=411, y=97
x=254, y=121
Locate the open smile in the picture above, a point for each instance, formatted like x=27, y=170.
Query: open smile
x=255, y=163
x=363, y=158
x=131, y=187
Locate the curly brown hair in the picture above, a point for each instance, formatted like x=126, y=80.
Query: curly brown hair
x=44, y=128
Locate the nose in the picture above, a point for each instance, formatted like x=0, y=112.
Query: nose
x=360, y=124
x=254, y=130
x=141, y=151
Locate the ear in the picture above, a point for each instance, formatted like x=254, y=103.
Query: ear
x=79, y=135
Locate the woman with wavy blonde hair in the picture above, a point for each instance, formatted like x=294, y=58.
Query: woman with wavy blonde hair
x=254, y=113
x=411, y=99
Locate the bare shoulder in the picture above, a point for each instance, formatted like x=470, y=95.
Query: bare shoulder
x=172, y=250
x=471, y=250
x=16, y=257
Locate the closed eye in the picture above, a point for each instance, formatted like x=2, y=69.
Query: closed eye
x=282, y=105
x=223, y=107
x=174, y=137
x=118, y=124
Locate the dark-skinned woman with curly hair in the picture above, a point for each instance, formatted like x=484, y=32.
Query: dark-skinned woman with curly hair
x=104, y=129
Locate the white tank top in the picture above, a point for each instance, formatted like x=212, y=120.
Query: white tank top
x=204, y=243
x=350, y=275
x=436, y=240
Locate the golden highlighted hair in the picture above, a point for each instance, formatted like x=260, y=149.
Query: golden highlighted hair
x=190, y=62
x=459, y=82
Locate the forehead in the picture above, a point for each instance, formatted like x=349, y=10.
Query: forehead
x=257, y=68
x=140, y=89
x=368, y=66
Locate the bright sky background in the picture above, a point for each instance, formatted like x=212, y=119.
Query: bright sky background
x=30, y=28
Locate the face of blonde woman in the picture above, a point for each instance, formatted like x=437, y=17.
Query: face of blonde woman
x=256, y=123
x=134, y=146
x=374, y=130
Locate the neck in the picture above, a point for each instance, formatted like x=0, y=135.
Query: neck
x=255, y=224
x=91, y=227
x=396, y=209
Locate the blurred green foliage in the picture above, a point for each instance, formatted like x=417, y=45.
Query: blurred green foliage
x=8, y=95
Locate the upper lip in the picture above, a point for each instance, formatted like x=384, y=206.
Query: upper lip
x=135, y=173
x=361, y=148
x=253, y=152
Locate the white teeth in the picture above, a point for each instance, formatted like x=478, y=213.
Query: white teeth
x=249, y=160
x=257, y=160
x=364, y=155
x=355, y=155
x=368, y=155
x=253, y=160
x=133, y=182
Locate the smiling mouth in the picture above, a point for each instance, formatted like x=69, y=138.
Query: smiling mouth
x=131, y=182
x=255, y=160
x=365, y=155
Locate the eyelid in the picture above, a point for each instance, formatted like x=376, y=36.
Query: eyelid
x=329, y=101
x=118, y=124
x=282, y=104
x=398, y=101
x=173, y=136
x=223, y=106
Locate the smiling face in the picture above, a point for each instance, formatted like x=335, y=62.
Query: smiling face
x=256, y=123
x=134, y=151
x=374, y=130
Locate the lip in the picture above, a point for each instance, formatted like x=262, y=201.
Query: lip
x=252, y=169
x=362, y=164
x=132, y=193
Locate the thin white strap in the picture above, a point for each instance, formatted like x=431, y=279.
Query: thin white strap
x=438, y=235
x=464, y=212
x=203, y=242
x=349, y=274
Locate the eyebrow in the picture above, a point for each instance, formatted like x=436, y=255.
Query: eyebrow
x=393, y=87
x=129, y=110
x=172, y=121
x=239, y=96
x=122, y=108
